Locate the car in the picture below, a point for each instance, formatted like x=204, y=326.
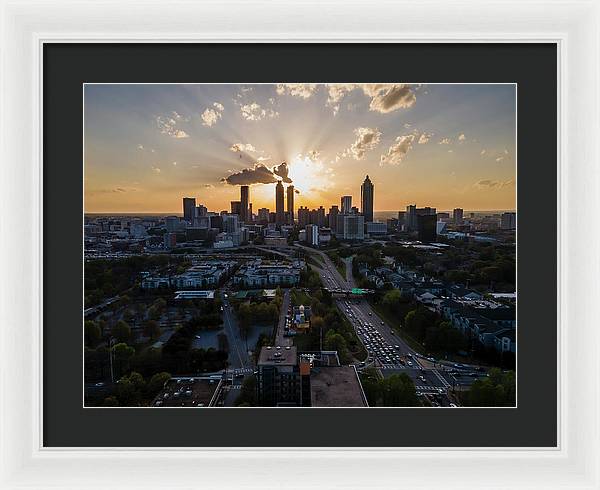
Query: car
x=409, y=363
x=453, y=405
x=370, y=314
x=440, y=391
x=198, y=337
x=222, y=308
x=382, y=323
x=422, y=378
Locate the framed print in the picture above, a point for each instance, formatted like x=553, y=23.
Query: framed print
x=230, y=248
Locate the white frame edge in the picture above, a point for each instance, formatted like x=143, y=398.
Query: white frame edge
x=574, y=25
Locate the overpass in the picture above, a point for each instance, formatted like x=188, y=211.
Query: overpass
x=354, y=292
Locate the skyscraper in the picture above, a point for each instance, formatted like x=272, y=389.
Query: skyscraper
x=333, y=214
x=189, y=206
x=346, y=202
x=236, y=207
x=244, y=200
x=366, y=199
x=279, y=204
x=290, y=203
x=457, y=215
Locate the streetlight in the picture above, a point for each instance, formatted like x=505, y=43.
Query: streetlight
x=110, y=358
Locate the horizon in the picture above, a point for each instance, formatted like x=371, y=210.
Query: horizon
x=148, y=146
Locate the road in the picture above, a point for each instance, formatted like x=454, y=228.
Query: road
x=238, y=354
x=279, y=337
x=387, y=351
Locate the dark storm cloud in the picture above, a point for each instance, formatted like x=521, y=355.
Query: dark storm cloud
x=259, y=174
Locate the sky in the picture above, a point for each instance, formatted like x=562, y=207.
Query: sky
x=446, y=146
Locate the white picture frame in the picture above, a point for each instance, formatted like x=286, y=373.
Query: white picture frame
x=575, y=27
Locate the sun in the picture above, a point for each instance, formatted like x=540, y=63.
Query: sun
x=309, y=175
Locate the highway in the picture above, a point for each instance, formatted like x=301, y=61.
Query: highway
x=280, y=340
x=387, y=351
x=238, y=355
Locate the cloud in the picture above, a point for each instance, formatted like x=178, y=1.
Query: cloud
x=444, y=141
x=175, y=163
x=499, y=159
x=263, y=159
x=302, y=90
x=366, y=139
x=239, y=147
x=259, y=174
x=336, y=92
x=211, y=116
x=208, y=186
x=461, y=137
x=156, y=170
x=254, y=112
x=424, y=138
x=140, y=147
x=282, y=171
x=387, y=97
x=398, y=150
x=482, y=152
x=167, y=125
x=494, y=184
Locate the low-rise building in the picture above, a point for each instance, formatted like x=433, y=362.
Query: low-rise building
x=260, y=273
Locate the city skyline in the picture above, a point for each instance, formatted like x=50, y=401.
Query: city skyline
x=443, y=146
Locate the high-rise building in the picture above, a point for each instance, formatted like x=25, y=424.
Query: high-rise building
x=244, y=200
x=172, y=223
x=312, y=234
x=508, y=221
x=366, y=199
x=333, y=214
x=236, y=207
x=427, y=227
x=457, y=216
x=189, y=206
x=200, y=211
x=412, y=211
x=250, y=215
x=263, y=216
x=231, y=223
x=346, y=204
x=290, y=204
x=279, y=204
x=351, y=226
x=278, y=377
x=303, y=216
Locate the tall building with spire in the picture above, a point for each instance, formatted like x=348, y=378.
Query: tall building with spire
x=279, y=204
x=366, y=199
x=290, y=203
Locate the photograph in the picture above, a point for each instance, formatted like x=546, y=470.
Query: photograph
x=299, y=245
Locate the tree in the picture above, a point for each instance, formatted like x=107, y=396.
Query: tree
x=110, y=401
x=152, y=329
x=157, y=382
x=247, y=397
x=92, y=333
x=123, y=353
x=398, y=390
x=121, y=331
x=497, y=390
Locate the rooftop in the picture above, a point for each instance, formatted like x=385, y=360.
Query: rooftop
x=278, y=356
x=336, y=386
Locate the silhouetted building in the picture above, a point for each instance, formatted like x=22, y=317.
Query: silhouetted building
x=236, y=207
x=244, y=201
x=366, y=199
x=279, y=204
x=303, y=216
x=346, y=204
x=290, y=204
x=427, y=227
x=189, y=207
x=333, y=214
x=457, y=216
x=263, y=216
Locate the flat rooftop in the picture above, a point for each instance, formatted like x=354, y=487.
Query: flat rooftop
x=278, y=356
x=336, y=386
